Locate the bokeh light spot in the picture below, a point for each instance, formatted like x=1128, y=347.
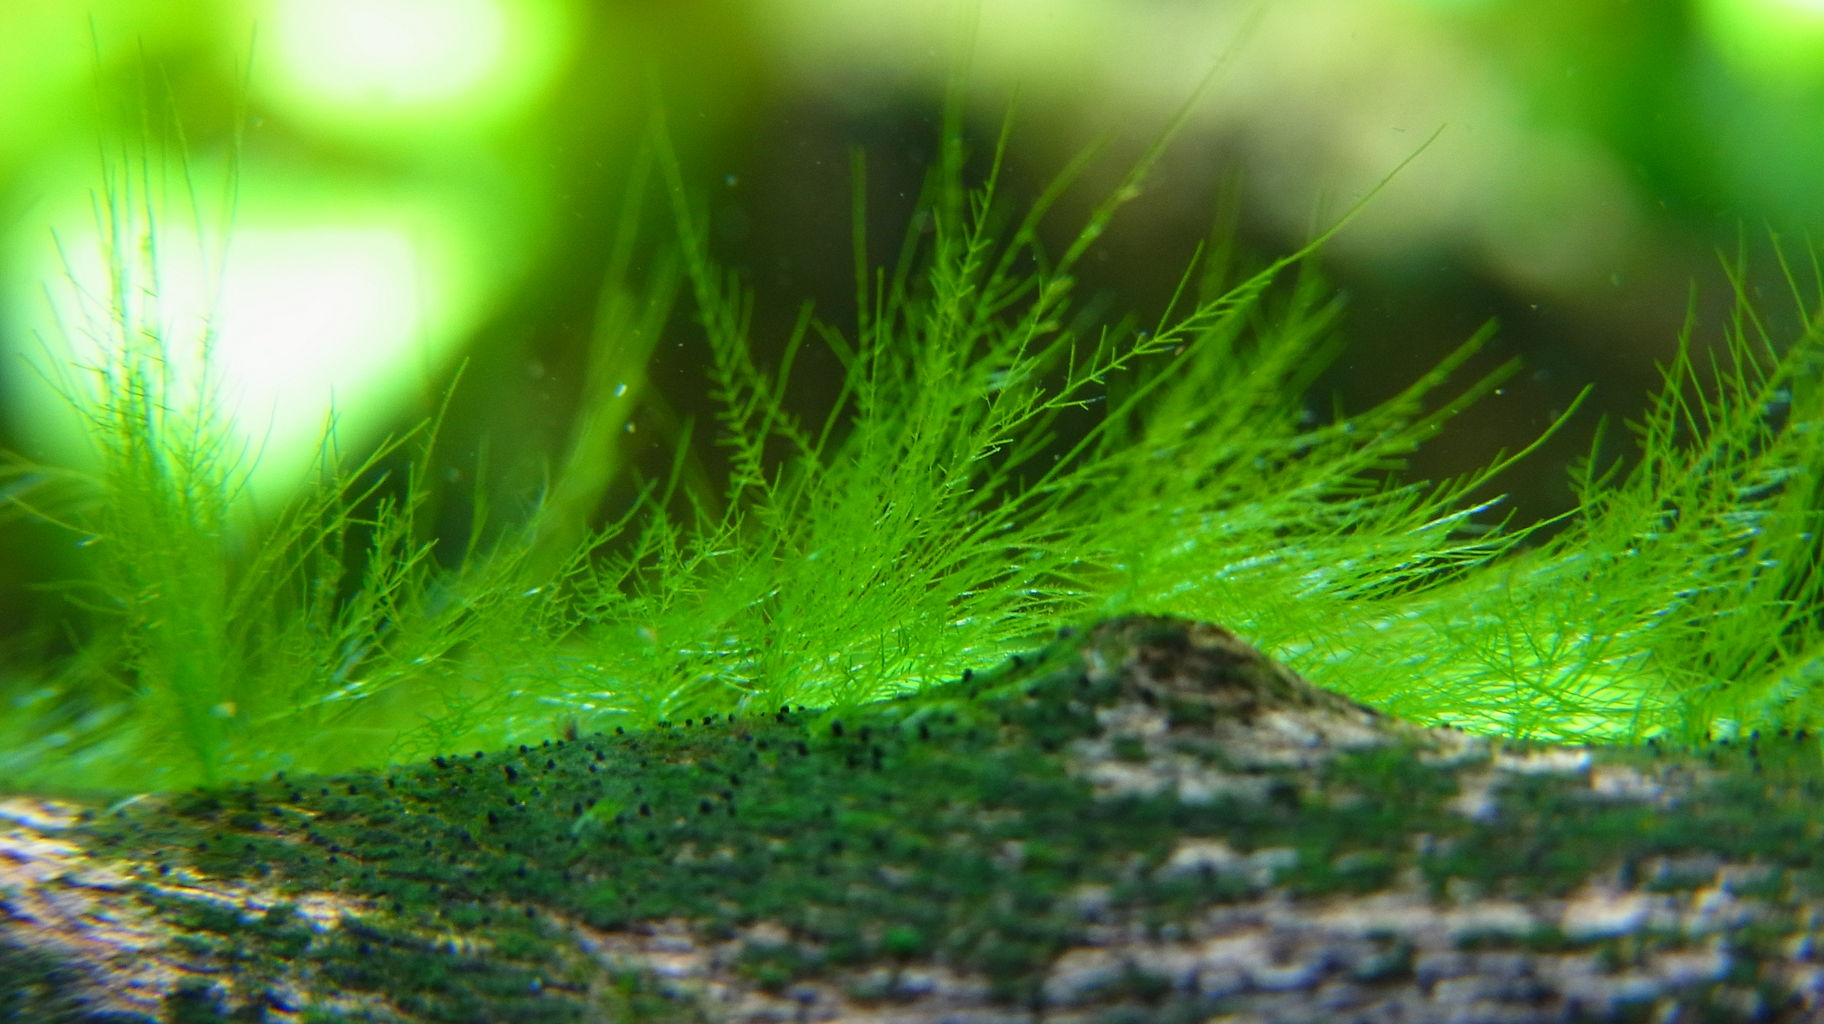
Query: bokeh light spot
x=1778, y=42
x=397, y=63
x=315, y=302
x=401, y=53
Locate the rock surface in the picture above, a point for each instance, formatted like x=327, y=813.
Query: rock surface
x=1146, y=821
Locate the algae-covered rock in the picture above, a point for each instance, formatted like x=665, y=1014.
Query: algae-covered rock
x=1144, y=821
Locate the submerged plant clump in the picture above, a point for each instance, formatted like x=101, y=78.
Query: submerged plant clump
x=996, y=463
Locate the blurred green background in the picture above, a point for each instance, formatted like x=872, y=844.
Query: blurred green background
x=374, y=190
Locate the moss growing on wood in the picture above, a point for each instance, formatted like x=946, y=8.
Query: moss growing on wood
x=997, y=456
x=980, y=845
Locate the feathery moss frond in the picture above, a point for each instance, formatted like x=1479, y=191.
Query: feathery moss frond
x=999, y=460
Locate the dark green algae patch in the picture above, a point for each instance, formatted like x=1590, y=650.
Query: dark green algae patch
x=952, y=829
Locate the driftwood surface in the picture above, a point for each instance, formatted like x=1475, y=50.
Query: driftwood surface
x=1146, y=821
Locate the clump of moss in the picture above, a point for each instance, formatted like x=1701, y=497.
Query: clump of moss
x=1682, y=600
x=998, y=460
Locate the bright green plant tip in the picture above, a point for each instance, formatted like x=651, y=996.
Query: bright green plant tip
x=998, y=461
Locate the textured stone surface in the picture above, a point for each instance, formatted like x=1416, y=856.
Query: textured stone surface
x=1147, y=821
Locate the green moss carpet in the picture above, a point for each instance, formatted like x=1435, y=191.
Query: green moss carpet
x=1146, y=820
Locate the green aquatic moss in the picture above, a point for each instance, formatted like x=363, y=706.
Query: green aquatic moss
x=832, y=860
x=1000, y=458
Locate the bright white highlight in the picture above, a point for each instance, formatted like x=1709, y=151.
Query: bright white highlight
x=398, y=53
x=353, y=63
x=334, y=305
x=313, y=319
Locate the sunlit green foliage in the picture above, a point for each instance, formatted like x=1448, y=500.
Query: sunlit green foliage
x=998, y=461
x=1684, y=598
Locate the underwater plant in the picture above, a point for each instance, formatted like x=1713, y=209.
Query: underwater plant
x=999, y=460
